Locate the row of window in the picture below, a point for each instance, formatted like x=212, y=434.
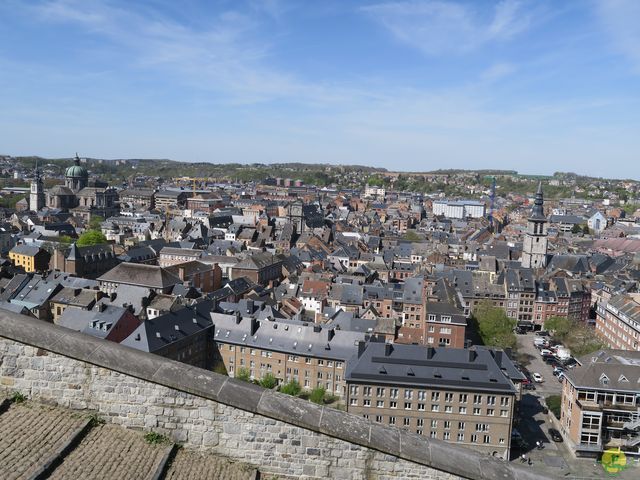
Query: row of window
x=408, y=394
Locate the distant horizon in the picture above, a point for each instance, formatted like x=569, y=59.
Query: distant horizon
x=409, y=85
x=387, y=169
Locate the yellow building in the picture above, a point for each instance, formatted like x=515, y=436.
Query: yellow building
x=31, y=258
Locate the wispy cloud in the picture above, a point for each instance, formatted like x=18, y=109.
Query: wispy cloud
x=621, y=21
x=440, y=27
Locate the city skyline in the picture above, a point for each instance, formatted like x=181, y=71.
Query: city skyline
x=408, y=86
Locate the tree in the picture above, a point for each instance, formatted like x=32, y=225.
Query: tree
x=585, y=229
x=269, y=381
x=317, y=395
x=95, y=222
x=494, y=327
x=575, y=229
x=291, y=388
x=243, y=374
x=91, y=237
x=560, y=326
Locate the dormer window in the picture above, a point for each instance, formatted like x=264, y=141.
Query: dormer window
x=604, y=380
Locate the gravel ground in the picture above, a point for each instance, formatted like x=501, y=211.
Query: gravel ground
x=30, y=434
x=197, y=466
x=111, y=452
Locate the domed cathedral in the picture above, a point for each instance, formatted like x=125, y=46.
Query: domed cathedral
x=76, y=176
x=82, y=197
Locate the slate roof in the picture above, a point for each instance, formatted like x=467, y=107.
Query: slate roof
x=417, y=365
x=621, y=368
x=28, y=250
x=287, y=336
x=150, y=276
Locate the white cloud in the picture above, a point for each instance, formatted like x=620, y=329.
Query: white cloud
x=440, y=27
x=621, y=21
x=497, y=71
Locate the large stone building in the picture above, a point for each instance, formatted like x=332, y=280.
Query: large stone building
x=534, y=249
x=618, y=322
x=461, y=396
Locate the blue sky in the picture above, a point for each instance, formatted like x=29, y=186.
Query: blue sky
x=536, y=86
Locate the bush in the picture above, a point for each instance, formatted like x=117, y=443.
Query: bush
x=243, y=374
x=91, y=237
x=317, y=395
x=291, y=388
x=155, y=438
x=494, y=327
x=554, y=402
x=269, y=381
x=18, y=397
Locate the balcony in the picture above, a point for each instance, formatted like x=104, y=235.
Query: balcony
x=624, y=407
x=589, y=405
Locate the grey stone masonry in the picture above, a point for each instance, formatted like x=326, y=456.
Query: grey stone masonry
x=281, y=435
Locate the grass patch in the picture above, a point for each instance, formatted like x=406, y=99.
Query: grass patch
x=155, y=438
x=18, y=397
x=554, y=403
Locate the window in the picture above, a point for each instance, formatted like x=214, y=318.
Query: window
x=435, y=407
x=448, y=397
x=392, y=420
x=504, y=413
x=380, y=392
x=379, y=418
x=447, y=425
x=461, y=425
x=477, y=399
x=406, y=421
x=446, y=436
x=487, y=439
x=504, y=401
x=422, y=395
x=420, y=422
x=491, y=400
x=476, y=411
x=393, y=404
x=462, y=398
x=490, y=412
x=433, y=434
x=380, y=404
x=421, y=407
x=501, y=441
x=482, y=427
x=408, y=394
x=393, y=393
x=460, y=437
x=474, y=438
x=354, y=402
x=448, y=409
x=435, y=396
x=434, y=423
x=365, y=403
x=407, y=405
x=462, y=410
x=445, y=319
x=366, y=391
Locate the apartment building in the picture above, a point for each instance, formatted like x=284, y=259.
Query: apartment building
x=601, y=403
x=456, y=395
x=311, y=354
x=618, y=322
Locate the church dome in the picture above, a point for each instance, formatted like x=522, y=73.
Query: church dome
x=76, y=170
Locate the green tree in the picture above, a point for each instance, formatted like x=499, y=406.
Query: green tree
x=243, y=374
x=494, y=327
x=317, y=395
x=575, y=229
x=95, y=222
x=560, y=326
x=585, y=229
x=91, y=237
x=412, y=236
x=291, y=388
x=554, y=402
x=269, y=381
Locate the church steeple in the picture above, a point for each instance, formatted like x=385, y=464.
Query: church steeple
x=36, y=196
x=534, y=248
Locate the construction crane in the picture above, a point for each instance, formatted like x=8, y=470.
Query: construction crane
x=492, y=198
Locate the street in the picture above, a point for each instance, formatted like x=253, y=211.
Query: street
x=554, y=458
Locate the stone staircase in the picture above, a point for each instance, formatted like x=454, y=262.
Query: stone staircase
x=39, y=442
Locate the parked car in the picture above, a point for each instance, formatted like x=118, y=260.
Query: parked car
x=555, y=435
x=528, y=386
x=558, y=370
x=545, y=351
x=542, y=333
x=537, y=378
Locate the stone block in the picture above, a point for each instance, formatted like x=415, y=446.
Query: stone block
x=385, y=438
x=290, y=409
x=454, y=459
x=243, y=395
x=345, y=426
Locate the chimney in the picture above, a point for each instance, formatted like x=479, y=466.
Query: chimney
x=317, y=328
x=330, y=334
x=497, y=355
x=388, y=348
x=430, y=352
x=249, y=307
x=158, y=335
x=254, y=326
x=101, y=307
x=361, y=348
x=181, y=273
x=472, y=355
x=238, y=317
x=177, y=327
